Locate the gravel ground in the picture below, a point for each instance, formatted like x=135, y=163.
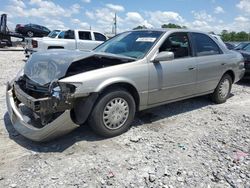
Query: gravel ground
x=192, y=143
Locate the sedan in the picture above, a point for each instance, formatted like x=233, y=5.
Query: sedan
x=32, y=30
x=134, y=71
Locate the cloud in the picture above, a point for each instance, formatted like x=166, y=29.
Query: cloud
x=54, y=24
x=41, y=10
x=116, y=8
x=244, y=5
x=80, y=25
x=86, y=1
x=75, y=8
x=18, y=3
x=134, y=19
x=203, y=16
x=103, y=19
x=241, y=19
x=219, y=10
x=158, y=18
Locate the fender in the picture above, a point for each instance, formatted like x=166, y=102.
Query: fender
x=115, y=80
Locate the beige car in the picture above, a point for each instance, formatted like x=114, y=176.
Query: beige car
x=58, y=91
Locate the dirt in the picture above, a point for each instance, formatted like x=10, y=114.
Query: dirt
x=192, y=143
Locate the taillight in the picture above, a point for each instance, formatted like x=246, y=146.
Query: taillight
x=34, y=43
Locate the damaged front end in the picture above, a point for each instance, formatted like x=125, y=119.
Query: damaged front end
x=41, y=106
x=41, y=113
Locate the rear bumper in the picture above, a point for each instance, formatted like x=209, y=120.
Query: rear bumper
x=60, y=126
x=239, y=75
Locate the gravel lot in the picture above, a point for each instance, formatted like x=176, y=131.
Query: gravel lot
x=193, y=143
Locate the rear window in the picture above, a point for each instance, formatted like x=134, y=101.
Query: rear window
x=99, y=37
x=84, y=35
x=204, y=45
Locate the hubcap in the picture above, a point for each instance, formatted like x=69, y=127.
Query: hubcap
x=115, y=113
x=224, y=88
x=30, y=34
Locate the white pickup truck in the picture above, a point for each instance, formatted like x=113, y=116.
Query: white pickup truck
x=70, y=39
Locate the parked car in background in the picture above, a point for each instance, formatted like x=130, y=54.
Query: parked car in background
x=70, y=39
x=230, y=45
x=241, y=45
x=246, y=54
x=32, y=30
x=133, y=71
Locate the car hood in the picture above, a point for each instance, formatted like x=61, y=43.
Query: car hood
x=45, y=67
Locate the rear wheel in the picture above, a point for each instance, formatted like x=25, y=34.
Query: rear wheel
x=113, y=113
x=30, y=34
x=223, y=89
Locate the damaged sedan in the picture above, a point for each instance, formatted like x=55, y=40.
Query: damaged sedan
x=57, y=91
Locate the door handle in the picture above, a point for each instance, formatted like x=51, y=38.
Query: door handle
x=191, y=68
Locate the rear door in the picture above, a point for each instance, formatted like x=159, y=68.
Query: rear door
x=210, y=62
x=85, y=41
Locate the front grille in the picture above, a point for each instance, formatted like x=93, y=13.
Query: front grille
x=32, y=88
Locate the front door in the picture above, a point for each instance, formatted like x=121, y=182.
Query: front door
x=174, y=79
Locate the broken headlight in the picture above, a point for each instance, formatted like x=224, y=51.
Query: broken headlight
x=61, y=90
x=55, y=90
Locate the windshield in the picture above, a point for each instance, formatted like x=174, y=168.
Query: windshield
x=53, y=34
x=247, y=48
x=241, y=46
x=133, y=44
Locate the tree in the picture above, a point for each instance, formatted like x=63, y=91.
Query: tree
x=225, y=36
x=171, y=25
x=140, y=27
x=233, y=36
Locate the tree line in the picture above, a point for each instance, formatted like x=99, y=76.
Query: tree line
x=225, y=35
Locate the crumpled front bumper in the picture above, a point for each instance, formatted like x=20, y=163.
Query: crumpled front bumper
x=60, y=126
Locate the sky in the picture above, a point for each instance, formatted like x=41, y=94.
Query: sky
x=205, y=15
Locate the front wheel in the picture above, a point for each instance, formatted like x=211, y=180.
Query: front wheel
x=223, y=89
x=113, y=113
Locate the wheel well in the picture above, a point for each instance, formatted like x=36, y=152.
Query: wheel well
x=128, y=87
x=231, y=73
x=55, y=47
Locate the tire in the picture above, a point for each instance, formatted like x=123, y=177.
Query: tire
x=222, y=91
x=105, y=113
x=30, y=34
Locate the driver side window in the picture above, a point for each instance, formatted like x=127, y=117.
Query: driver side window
x=177, y=43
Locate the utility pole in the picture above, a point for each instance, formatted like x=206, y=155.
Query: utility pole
x=115, y=24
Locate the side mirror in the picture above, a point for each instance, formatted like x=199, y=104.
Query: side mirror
x=164, y=56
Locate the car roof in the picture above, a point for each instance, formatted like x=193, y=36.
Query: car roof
x=165, y=30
